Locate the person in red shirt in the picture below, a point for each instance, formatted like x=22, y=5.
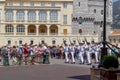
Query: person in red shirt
x=26, y=53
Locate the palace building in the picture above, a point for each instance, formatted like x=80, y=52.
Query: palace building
x=52, y=21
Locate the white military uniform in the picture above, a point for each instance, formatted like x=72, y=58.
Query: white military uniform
x=66, y=51
x=72, y=51
x=96, y=50
x=88, y=53
x=81, y=53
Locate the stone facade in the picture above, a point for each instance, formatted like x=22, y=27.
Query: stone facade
x=88, y=17
x=50, y=21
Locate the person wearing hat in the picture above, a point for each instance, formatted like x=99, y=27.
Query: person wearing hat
x=72, y=52
x=81, y=49
x=66, y=51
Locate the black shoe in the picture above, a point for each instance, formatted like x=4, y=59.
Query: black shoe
x=89, y=64
x=67, y=62
x=73, y=62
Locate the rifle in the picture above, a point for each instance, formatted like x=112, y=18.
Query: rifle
x=70, y=41
x=78, y=40
x=85, y=40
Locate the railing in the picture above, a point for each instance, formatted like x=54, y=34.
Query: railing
x=53, y=33
x=31, y=33
x=9, y=33
x=42, y=33
x=20, y=33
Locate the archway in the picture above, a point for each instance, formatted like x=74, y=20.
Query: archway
x=31, y=29
x=42, y=29
x=54, y=29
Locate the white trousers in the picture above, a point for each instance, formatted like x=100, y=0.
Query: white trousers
x=81, y=57
x=96, y=56
x=66, y=57
x=72, y=57
x=88, y=57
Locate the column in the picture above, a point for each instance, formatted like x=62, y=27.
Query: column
x=15, y=30
x=58, y=16
x=48, y=30
x=37, y=30
x=26, y=15
x=26, y=30
x=59, y=30
x=3, y=15
x=14, y=18
x=37, y=15
x=48, y=16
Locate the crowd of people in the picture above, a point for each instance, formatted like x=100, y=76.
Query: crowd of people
x=83, y=53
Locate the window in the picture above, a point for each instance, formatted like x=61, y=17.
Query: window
x=31, y=3
x=64, y=5
x=102, y=12
x=53, y=4
x=9, y=28
x=64, y=41
x=42, y=4
x=74, y=41
x=20, y=28
x=43, y=42
x=10, y=3
x=20, y=42
x=9, y=15
x=65, y=31
x=20, y=15
x=114, y=40
x=65, y=19
x=80, y=31
x=53, y=42
x=9, y=42
x=21, y=3
x=42, y=15
x=53, y=16
x=31, y=16
x=94, y=10
x=79, y=4
x=31, y=42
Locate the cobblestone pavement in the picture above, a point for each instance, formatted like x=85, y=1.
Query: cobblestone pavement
x=56, y=70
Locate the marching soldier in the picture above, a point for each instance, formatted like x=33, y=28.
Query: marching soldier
x=72, y=51
x=96, y=51
x=81, y=53
x=66, y=51
x=88, y=53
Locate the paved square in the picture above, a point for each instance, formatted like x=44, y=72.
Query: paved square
x=53, y=71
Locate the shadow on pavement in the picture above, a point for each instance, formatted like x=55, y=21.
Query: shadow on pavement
x=81, y=77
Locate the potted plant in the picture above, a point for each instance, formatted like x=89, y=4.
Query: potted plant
x=110, y=68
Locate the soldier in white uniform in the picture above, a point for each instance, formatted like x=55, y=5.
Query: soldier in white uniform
x=81, y=52
x=72, y=51
x=66, y=51
x=88, y=53
x=96, y=51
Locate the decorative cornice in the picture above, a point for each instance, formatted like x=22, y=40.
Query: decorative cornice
x=33, y=8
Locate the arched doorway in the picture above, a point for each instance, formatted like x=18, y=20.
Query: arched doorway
x=31, y=30
x=53, y=29
x=42, y=29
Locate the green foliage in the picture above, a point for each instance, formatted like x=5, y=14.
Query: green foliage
x=110, y=61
